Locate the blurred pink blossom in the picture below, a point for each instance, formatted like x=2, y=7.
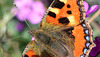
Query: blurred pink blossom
x=91, y=10
x=33, y=38
x=30, y=10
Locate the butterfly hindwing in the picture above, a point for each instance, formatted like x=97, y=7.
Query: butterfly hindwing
x=83, y=39
x=78, y=38
x=33, y=49
x=29, y=50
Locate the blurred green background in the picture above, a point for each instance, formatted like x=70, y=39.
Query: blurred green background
x=13, y=42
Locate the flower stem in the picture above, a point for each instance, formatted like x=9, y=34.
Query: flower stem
x=94, y=16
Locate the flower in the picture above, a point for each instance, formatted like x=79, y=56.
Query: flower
x=37, y=14
x=96, y=50
x=33, y=38
x=91, y=10
x=30, y=10
x=20, y=26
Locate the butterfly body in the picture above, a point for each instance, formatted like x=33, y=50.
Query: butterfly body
x=63, y=32
x=50, y=42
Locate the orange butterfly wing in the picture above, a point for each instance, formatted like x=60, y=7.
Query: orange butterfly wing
x=65, y=12
x=69, y=13
x=83, y=39
x=31, y=53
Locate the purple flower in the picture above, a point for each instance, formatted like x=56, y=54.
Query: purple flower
x=20, y=26
x=30, y=10
x=91, y=10
x=96, y=50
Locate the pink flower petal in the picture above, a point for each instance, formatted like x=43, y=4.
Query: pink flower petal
x=33, y=38
x=23, y=3
x=37, y=12
x=38, y=7
x=35, y=17
x=30, y=10
x=24, y=8
x=86, y=6
x=92, y=9
x=23, y=13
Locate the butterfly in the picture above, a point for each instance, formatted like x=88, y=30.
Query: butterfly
x=63, y=32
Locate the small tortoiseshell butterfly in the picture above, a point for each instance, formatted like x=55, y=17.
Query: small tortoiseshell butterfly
x=63, y=32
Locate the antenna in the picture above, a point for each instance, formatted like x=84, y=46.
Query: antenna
x=12, y=38
x=25, y=22
x=23, y=17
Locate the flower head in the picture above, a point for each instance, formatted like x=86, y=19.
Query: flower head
x=30, y=10
x=20, y=26
x=96, y=50
x=91, y=10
